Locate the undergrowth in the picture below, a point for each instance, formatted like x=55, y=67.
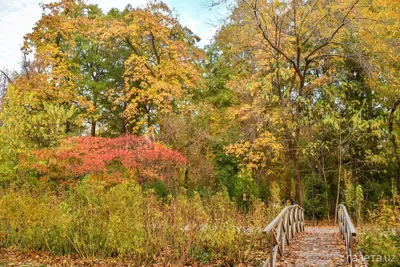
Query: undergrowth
x=380, y=239
x=126, y=221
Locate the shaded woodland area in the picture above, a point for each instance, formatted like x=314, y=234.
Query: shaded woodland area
x=121, y=138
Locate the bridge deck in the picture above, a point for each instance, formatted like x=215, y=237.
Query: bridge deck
x=317, y=246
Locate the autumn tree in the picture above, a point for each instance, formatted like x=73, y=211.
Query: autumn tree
x=378, y=43
x=294, y=42
x=140, y=63
x=24, y=128
x=162, y=67
x=52, y=74
x=67, y=48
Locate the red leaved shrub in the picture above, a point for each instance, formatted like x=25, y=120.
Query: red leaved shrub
x=127, y=156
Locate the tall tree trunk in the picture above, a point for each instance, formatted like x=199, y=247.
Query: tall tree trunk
x=93, y=127
x=297, y=181
x=296, y=168
x=287, y=194
x=339, y=176
x=93, y=122
x=393, y=139
x=321, y=168
x=313, y=198
x=398, y=173
x=326, y=195
x=67, y=127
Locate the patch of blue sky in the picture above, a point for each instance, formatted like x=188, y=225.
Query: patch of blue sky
x=19, y=16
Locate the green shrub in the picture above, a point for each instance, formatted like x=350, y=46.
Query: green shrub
x=380, y=247
x=159, y=187
x=320, y=199
x=380, y=241
x=245, y=189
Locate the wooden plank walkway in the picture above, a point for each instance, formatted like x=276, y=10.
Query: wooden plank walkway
x=317, y=246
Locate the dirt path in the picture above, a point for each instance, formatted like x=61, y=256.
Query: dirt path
x=317, y=246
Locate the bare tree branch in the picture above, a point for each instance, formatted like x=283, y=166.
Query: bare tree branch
x=344, y=23
x=6, y=76
x=267, y=38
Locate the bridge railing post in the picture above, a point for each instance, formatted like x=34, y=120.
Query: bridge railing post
x=348, y=232
x=271, y=245
x=282, y=230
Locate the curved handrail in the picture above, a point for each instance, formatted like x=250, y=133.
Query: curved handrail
x=282, y=230
x=348, y=232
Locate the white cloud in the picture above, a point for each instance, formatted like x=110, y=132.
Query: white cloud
x=200, y=28
x=17, y=18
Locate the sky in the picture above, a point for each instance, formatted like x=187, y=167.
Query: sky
x=17, y=17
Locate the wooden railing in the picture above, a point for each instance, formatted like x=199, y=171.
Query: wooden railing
x=348, y=232
x=282, y=230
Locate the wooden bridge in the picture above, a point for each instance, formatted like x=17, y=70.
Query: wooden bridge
x=291, y=244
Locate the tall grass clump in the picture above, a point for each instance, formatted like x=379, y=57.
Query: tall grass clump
x=93, y=219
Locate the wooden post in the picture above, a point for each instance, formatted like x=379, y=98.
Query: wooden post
x=271, y=246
